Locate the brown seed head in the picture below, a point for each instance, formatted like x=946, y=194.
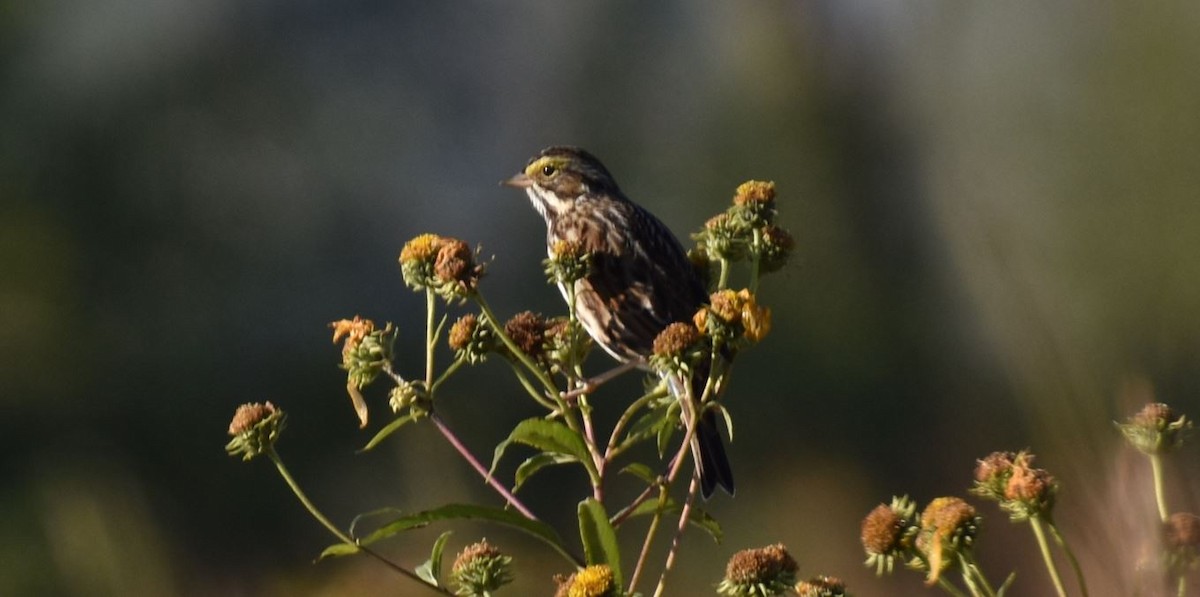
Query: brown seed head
x=462, y=330
x=528, y=330
x=454, y=261
x=1028, y=484
x=675, y=339
x=821, y=586
x=1182, y=530
x=882, y=530
x=993, y=465
x=248, y=415
x=761, y=565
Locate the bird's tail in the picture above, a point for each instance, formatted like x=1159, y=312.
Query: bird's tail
x=708, y=448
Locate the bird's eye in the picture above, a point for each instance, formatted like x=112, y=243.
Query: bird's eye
x=548, y=170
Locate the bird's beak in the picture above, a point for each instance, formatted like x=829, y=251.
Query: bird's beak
x=520, y=181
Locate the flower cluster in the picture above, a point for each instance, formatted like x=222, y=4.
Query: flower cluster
x=1022, y=490
x=746, y=230
x=759, y=572
x=1156, y=429
x=480, y=569
x=944, y=534
x=445, y=265
x=254, y=428
x=732, y=316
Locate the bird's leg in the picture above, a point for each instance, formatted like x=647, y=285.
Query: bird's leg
x=589, y=385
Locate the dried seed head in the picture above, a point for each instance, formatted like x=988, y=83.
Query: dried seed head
x=675, y=339
x=821, y=586
x=759, y=572
x=887, y=534
x=462, y=330
x=528, y=331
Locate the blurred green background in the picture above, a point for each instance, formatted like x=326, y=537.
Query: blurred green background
x=995, y=206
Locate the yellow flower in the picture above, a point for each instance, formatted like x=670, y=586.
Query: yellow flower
x=421, y=248
x=593, y=581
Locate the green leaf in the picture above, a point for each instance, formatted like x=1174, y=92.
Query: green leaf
x=337, y=550
x=535, y=528
x=599, y=539
x=667, y=429
x=642, y=472
x=696, y=517
x=389, y=429
x=646, y=427
x=536, y=463
x=549, y=436
x=431, y=570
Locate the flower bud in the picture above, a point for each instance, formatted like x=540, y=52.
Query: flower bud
x=1156, y=429
x=480, y=569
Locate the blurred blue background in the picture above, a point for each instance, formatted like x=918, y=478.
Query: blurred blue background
x=995, y=208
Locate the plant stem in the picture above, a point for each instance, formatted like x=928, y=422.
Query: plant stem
x=1182, y=591
x=974, y=577
x=343, y=537
x=445, y=375
x=949, y=588
x=1040, y=533
x=430, y=340
x=1159, y=493
x=755, y=266
x=684, y=513
x=723, y=280
x=478, y=466
x=1062, y=544
x=650, y=533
